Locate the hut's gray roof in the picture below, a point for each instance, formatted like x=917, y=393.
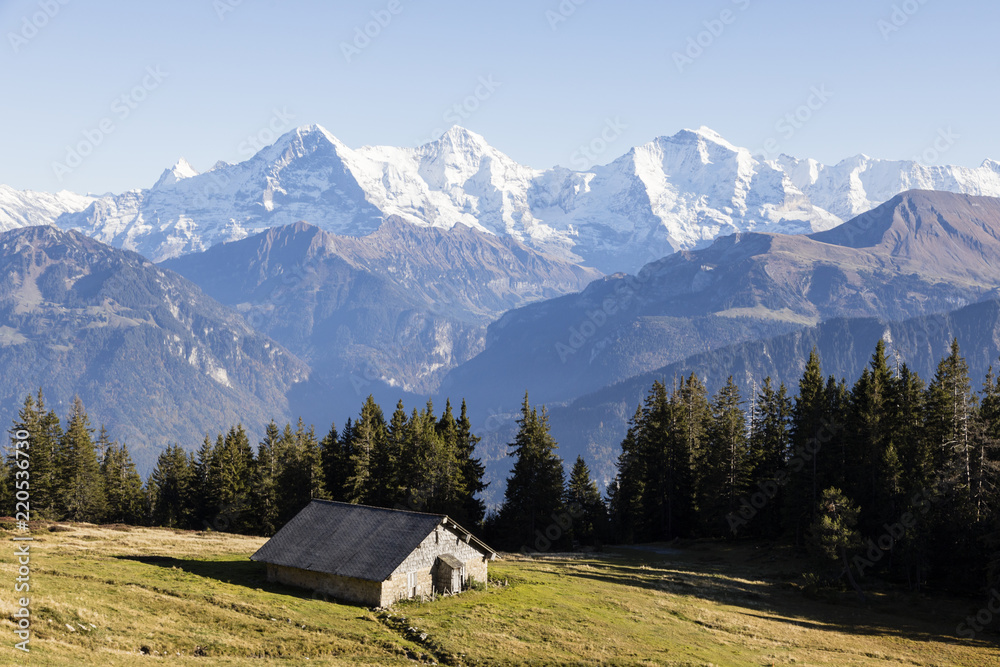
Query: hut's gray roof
x=353, y=540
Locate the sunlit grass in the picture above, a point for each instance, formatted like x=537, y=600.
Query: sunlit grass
x=135, y=595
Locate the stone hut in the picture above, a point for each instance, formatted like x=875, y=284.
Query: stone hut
x=373, y=556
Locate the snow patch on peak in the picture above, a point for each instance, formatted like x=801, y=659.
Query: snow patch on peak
x=178, y=172
x=709, y=134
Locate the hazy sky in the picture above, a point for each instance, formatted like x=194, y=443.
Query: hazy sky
x=136, y=85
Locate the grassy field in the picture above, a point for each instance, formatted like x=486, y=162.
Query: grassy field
x=127, y=596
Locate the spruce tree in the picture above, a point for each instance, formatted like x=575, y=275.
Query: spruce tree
x=585, y=506
x=625, y=496
x=231, y=475
x=769, y=444
x=266, y=479
x=724, y=462
x=808, y=414
x=333, y=454
x=368, y=437
x=84, y=498
x=122, y=484
x=170, y=489
x=472, y=508
x=531, y=514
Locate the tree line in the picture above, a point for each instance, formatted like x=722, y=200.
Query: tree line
x=891, y=476
x=417, y=461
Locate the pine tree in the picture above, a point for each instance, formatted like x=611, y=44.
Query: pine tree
x=873, y=469
x=333, y=453
x=625, y=496
x=951, y=406
x=986, y=452
x=834, y=532
x=531, y=514
x=266, y=478
x=472, y=508
x=724, y=462
x=769, y=445
x=450, y=492
x=83, y=488
x=203, y=484
x=231, y=474
x=44, y=435
x=808, y=414
x=664, y=439
x=170, y=489
x=585, y=506
x=368, y=437
x=390, y=478
x=122, y=484
x=300, y=477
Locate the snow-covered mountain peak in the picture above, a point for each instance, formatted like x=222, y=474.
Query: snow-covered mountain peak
x=704, y=133
x=178, y=172
x=672, y=193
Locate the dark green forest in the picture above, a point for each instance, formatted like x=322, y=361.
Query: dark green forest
x=892, y=479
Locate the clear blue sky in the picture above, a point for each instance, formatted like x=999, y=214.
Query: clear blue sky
x=222, y=78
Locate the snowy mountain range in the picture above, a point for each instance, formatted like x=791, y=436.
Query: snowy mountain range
x=673, y=193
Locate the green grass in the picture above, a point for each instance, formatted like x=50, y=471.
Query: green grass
x=194, y=598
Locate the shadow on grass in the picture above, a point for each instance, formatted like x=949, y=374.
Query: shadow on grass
x=248, y=573
x=773, y=600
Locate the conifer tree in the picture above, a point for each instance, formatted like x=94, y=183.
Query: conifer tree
x=267, y=474
x=625, y=496
x=532, y=509
x=333, y=453
x=84, y=498
x=368, y=437
x=769, y=445
x=301, y=470
x=170, y=489
x=204, y=499
x=231, y=475
x=834, y=532
x=44, y=435
x=724, y=462
x=471, y=470
x=585, y=505
x=873, y=469
x=808, y=414
x=122, y=484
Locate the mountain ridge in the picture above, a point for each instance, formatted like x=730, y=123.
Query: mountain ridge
x=672, y=193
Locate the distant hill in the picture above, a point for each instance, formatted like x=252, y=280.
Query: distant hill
x=594, y=425
x=920, y=253
x=151, y=356
x=398, y=307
